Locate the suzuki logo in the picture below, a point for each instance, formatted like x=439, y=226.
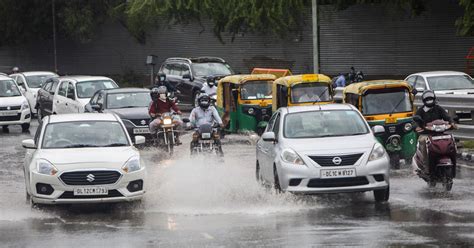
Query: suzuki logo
x=90, y=178
x=337, y=160
x=143, y=122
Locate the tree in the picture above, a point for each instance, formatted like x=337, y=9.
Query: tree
x=465, y=23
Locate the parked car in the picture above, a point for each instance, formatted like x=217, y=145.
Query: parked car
x=130, y=104
x=30, y=82
x=14, y=107
x=74, y=92
x=189, y=74
x=83, y=158
x=44, y=99
x=322, y=149
x=442, y=82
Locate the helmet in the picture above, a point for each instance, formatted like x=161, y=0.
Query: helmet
x=211, y=81
x=204, y=101
x=154, y=94
x=428, y=98
x=15, y=69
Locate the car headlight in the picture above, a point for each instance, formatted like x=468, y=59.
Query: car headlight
x=133, y=164
x=251, y=111
x=290, y=156
x=408, y=127
x=167, y=121
x=377, y=152
x=46, y=168
x=25, y=106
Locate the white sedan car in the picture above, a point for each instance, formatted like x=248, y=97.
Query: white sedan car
x=322, y=149
x=14, y=107
x=83, y=158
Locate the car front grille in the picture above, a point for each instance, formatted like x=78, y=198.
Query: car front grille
x=345, y=160
x=11, y=108
x=337, y=182
x=139, y=122
x=70, y=195
x=11, y=118
x=90, y=177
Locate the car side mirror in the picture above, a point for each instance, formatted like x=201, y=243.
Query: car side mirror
x=187, y=76
x=96, y=107
x=185, y=120
x=378, y=130
x=28, y=144
x=268, y=136
x=139, y=140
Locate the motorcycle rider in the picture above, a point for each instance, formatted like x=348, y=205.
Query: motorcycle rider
x=160, y=80
x=429, y=112
x=210, y=87
x=159, y=105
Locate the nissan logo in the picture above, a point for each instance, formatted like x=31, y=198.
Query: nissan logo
x=337, y=160
x=90, y=178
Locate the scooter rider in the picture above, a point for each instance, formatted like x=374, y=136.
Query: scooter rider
x=209, y=87
x=162, y=104
x=429, y=112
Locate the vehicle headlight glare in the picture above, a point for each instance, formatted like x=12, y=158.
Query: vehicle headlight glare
x=167, y=121
x=46, y=168
x=408, y=127
x=132, y=165
x=290, y=156
x=377, y=152
x=251, y=111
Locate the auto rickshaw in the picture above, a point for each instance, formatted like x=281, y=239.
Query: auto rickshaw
x=388, y=103
x=244, y=102
x=277, y=72
x=306, y=89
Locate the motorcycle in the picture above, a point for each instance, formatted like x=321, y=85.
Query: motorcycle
x=441, y=153
x=167, y=135
x=206, y=140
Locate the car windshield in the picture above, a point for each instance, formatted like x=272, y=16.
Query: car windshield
x=310, y=92
x=386, y=102
x=128, y=100
x=80, y=134
x=317, y=124
x=211, y=68
x=8, y=88
x=256, y=90
x=88, y=88
x=37, y=80
x=451, y=82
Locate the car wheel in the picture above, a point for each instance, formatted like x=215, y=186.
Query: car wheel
x=382, y=195
x=276, y=183
x=25, y=127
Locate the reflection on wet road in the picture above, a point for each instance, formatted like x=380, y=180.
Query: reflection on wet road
x=206, y=202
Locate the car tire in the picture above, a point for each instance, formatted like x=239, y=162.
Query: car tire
x=382, y=195
x=276, y=182
x=25, y=127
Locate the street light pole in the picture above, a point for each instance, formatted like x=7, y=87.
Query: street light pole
x=54, y=38
x=315, y=36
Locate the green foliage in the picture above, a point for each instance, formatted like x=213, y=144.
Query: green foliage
x=465, y=23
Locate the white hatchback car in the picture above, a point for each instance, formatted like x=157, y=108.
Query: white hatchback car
x=14, y=107
x=30, y=82
x=442, y=82
x=74, y=92
x=322, y=149
x=83, y=158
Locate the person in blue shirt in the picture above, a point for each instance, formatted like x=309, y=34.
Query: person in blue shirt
x=340, y=81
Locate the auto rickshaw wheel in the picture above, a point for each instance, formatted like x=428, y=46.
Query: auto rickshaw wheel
x=395, y=161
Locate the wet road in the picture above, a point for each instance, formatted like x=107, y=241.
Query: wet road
x=196, y=203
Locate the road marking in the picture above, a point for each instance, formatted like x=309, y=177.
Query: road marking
x=398, y=199
x=207, y=235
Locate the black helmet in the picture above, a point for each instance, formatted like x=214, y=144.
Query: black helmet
x=211, y=81
x=154, y=94
x=204, y=101
x=428, y=98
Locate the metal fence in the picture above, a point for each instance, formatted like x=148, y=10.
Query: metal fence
x=455, y=104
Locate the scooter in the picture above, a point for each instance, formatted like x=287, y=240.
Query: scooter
x=206, y=140
x=441, y=152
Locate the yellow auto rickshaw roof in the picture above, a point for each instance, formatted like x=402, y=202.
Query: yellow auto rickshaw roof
x=360, y=88
x=277, y=72
x=243, y=78
x=289, y=81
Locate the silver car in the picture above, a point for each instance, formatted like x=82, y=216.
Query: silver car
x=322, y=149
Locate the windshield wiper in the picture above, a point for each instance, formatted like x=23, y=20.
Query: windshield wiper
x=79, y=146
x=115, y=144
x=320, y=95
x=129, y=107
x=398, y=104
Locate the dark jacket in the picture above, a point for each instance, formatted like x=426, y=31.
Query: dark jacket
x=435, y=113
x=167, y=84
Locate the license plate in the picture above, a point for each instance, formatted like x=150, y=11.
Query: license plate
x=206, y=135
x=141, y=130
x=338, y=173
x=391, y=120
x=8, y=113
x=91, y=191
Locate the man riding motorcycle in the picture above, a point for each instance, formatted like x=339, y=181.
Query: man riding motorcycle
x=162, y=104
x=160, y=80
x=210, y=87
x=429, y=112
x=204, y=114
